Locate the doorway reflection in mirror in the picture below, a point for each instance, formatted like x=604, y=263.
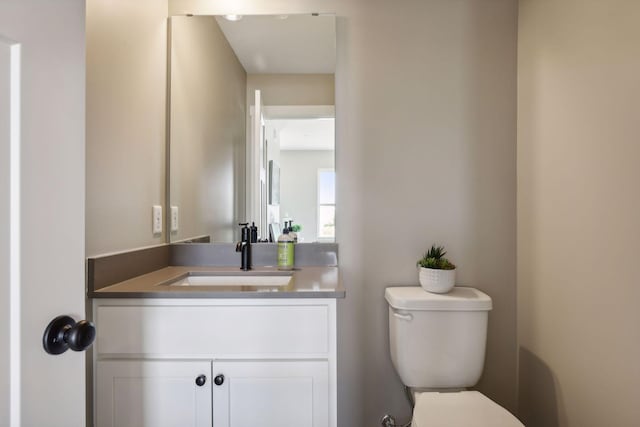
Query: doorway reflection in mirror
x=305, y=150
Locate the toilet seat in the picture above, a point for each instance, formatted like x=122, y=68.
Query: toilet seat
x=460, y=409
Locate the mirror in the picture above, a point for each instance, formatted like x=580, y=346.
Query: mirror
x=251, y=126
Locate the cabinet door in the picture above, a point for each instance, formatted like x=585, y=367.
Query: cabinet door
x=271, y=394
x=153, y=393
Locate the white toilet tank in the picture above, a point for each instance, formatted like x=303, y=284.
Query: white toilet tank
x=438, y=341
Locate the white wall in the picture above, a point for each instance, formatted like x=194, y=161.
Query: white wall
x=126, y=92
x=578, y=212
x=299, y=187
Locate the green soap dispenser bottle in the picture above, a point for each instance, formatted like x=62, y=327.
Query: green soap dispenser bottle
x=285, y=251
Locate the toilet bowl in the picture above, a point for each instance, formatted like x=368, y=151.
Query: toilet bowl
x=437, y=343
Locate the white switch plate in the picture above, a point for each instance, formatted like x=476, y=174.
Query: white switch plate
x=157, y=219
x=174, y=218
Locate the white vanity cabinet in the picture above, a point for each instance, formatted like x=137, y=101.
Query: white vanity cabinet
x=215, y=362
x=271, y=394
x=164, y=393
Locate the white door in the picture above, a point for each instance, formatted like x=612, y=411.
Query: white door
x=271, y=394
x=167, y=393
x=42, y=260
x=256, y=172
x=9, y=93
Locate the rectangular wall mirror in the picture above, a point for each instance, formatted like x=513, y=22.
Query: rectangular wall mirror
x=251, y=126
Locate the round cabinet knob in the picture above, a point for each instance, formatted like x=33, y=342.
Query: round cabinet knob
x=64, y=333
x=201, y=380
x=219, y=379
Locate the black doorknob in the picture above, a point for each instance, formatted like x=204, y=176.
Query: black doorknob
x=219, y=379
x=200, y=380
x=64, y=333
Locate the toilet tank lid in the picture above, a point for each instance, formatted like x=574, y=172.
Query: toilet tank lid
x=416, y=298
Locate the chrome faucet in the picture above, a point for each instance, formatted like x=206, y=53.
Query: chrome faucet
x=244, y=247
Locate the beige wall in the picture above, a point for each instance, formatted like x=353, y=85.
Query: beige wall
x=425, y=152
x=126, y=87
x=292, y=89
x=208, y=140
x=578, y=211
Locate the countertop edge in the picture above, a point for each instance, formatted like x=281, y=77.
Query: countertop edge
x=310, y=282
x=339, y=294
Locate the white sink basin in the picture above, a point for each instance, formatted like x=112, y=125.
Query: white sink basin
x=226, y=279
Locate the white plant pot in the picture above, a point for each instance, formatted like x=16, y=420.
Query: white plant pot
x=437, y=281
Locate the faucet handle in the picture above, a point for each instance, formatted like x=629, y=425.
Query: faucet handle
x=246, y=235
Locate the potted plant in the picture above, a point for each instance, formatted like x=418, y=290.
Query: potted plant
x=294, y=230
x=437, y=274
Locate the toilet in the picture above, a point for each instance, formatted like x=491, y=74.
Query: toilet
x=437, y=344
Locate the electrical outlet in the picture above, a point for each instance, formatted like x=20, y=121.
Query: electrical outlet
x=157, y=219
x=174, y=218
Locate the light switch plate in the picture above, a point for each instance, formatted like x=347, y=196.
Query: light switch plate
x=157, y=219
x=174, y=218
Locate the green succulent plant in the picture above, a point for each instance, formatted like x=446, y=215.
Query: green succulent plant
x=296, y=227
x=434, y=258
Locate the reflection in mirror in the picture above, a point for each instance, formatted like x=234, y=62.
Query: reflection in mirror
x=301, y=153
x=232, y=159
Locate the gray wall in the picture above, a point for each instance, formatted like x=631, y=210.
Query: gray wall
x=431, y=115
x=425, y=152
x=208, y=109
x=578, y=211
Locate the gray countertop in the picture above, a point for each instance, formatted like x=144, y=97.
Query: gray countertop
x=306, y=282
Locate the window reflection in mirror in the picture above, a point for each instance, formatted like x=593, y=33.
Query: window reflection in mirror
x=218, y=174
x=326, y=205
